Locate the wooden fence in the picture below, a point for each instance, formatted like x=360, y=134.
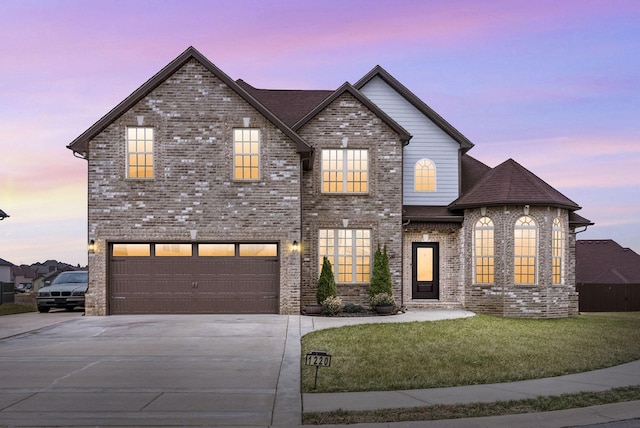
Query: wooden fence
x=609, y=297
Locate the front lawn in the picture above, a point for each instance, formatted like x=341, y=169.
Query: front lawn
x=477, y=350
x=16, y=308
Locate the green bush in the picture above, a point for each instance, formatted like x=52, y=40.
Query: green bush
x=381, y=275
x=382, y=299
x=353, y=308
x=331, y=305
x=326, y=282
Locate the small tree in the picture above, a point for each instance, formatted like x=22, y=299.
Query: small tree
x=381, y=275
x=326, y=282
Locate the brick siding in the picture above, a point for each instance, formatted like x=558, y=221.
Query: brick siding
x=193, y=114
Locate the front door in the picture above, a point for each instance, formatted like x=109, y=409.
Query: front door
x=425, y=277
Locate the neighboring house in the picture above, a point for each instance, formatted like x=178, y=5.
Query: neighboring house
x=22, y=275
x=5, y=271
x=607, y=276
x=207, y=195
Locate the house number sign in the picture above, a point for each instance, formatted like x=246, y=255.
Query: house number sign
x=317, y=359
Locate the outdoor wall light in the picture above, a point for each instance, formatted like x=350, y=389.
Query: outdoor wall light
x=92, y=246
x=295, y=247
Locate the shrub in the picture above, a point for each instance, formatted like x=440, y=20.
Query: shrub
x=381, y=275
x=326, y=282
x=331, y=305
x=353, y=308
x=382, y=299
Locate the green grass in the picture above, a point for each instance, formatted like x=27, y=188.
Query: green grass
x=16, y=308
x=477, y=350
x=475, y=410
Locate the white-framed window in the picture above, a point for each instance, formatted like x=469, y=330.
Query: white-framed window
x=557, y=252
x=349, y=251
x=525, y=250
x=246, y=154
x=484, y=251
x=345, y=171
x=425, y=176
x=140, y=158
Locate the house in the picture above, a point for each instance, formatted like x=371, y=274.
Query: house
x=607, y=276
x=23, y=275
x=5, y=270
x=208, y=195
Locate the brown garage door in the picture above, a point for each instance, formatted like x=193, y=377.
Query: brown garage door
x=244, y=278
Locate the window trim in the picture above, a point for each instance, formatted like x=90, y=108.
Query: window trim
x=531, y=226
x=354, y=255
x=557, y=252
x=145, y=153
x=431, y=170
x=235, y=154
x=345, y=171
x=488, y=260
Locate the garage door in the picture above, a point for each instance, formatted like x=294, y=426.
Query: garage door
x=194, y=278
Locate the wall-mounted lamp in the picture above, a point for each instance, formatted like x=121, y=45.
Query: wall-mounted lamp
x=295, y=247
x=526, y=210
x=92, y=246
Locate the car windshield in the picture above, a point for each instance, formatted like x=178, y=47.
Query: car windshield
x=71, y=277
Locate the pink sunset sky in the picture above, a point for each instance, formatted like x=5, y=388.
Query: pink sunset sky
x=554, y=85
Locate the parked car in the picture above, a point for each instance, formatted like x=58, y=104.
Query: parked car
x=65, y=291
x=24, y=287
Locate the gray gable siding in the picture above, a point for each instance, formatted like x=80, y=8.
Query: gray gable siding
x=429, y=141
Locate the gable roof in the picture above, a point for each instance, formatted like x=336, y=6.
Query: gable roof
x=512, y=184
x=604, y=261
x=348, y=88
x=290, y=105
x=81, y=144
x=380, y=72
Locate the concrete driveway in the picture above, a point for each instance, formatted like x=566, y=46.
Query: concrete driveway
x=155, y=370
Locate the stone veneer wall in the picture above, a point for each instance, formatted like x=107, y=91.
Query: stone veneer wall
x=193, y=114
x=451, y=264
x=346, y=123
x=504, y=298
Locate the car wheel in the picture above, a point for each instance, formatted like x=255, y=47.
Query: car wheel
x=43, y=309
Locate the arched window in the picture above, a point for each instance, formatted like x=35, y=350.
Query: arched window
x=557, y=252
x=525, y=250
x=483, y=250
x=425, y=176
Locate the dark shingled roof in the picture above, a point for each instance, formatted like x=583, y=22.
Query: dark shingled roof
x=289, y=105
x=512, y=184
x=604, y=261
x=430, y=214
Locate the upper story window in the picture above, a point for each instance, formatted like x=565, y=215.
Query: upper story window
x=557, y=252
x=246, y=154
x=525, y=250
x=349, y=251
x=345, y=171
x=425, y=176
x=140, y=162
x=483, y=247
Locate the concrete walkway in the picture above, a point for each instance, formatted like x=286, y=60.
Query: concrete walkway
x=63, y=369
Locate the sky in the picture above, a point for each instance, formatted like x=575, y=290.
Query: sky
x=554, y=85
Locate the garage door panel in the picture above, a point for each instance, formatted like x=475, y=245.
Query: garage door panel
x=147, y=285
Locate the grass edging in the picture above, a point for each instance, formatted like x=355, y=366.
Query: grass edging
x=17, y=308
x=475, y=410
